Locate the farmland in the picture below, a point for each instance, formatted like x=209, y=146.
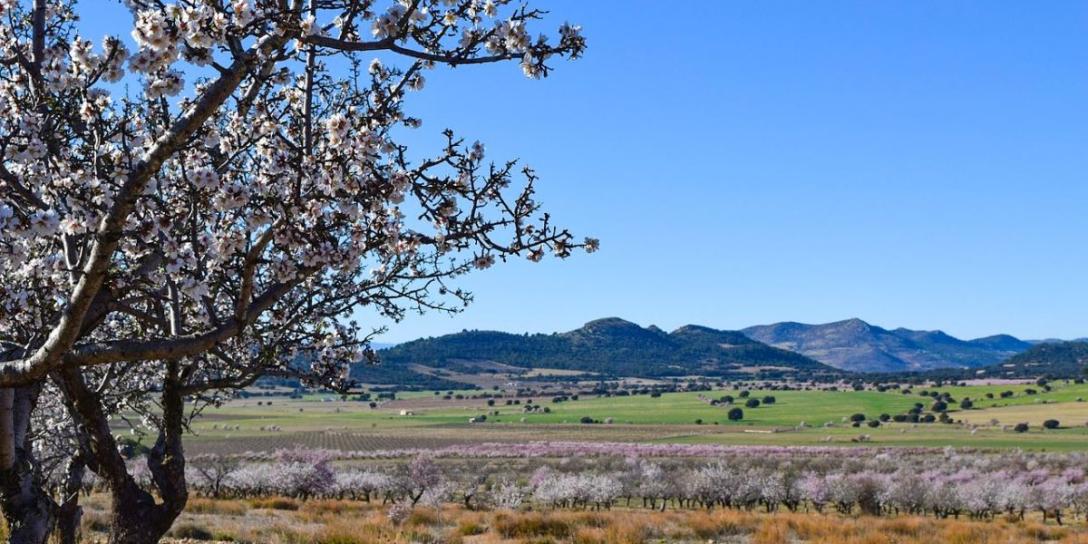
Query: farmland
x=795, y=418
x=587, y=492
x=642, y=468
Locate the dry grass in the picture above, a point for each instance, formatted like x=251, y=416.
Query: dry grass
x=209, y=506
x=278, y=503
x=285, y=521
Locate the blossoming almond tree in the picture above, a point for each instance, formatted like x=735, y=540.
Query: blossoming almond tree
x=210, y=204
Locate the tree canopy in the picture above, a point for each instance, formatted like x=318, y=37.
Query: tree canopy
x=212, y=200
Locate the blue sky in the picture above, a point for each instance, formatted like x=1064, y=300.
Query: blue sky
x=918, y=164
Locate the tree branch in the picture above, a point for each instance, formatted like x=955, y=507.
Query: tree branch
x=389, y=44
x=175, y=347
x=109, y=231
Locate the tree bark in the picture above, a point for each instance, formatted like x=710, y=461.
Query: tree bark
x=28, y=509
x=70, y=513
x=136, y=517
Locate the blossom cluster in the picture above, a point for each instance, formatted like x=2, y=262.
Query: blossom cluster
x=279, y=197
x=213, y=195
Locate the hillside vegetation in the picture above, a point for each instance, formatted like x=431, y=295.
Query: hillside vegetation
x=1058, y=360
x=612, y=347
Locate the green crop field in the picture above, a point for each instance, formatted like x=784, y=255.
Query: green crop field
x=426, y=420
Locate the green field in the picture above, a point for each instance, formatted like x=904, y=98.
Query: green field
x=671, y=417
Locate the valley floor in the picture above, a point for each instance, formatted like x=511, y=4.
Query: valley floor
x=358, y=434
x=427, y=421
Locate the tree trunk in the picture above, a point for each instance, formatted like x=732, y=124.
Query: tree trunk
x=28, y=509
x=136, y=518
x=70, y=513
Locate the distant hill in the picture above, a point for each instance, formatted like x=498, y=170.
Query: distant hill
x=1056, y=340
x=609, y=347
x=859, y=346
x=1055, y=360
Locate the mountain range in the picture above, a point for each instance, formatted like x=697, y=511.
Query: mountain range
x=613, y=347
x=610, y=347
x=858, y=346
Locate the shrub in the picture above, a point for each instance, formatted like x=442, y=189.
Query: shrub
x=586, y=420
x=857, y=418
x=1021, y=428
x=192, y=532
x=752, y=403
x=874, y=423
x=736, y=414
x=276, y=503
x=422, y=516
x=531, y=525
x=769, y=399
x=399, y=513
x=1051, y=424
x=470, y=528
x=199, y=505
x=331, y=507
x=345, y=532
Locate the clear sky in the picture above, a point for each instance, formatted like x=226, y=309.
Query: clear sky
x=920, y=164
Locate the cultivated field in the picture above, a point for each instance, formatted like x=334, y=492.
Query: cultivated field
x=631, y=493
x=795, y=418
x=552, y=468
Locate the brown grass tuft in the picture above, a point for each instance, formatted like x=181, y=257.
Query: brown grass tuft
x=771, y=531
x=213, y=506
x=531, y=525
x=278, y=503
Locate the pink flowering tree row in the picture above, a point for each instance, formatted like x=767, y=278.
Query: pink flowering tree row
x=950, y=484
